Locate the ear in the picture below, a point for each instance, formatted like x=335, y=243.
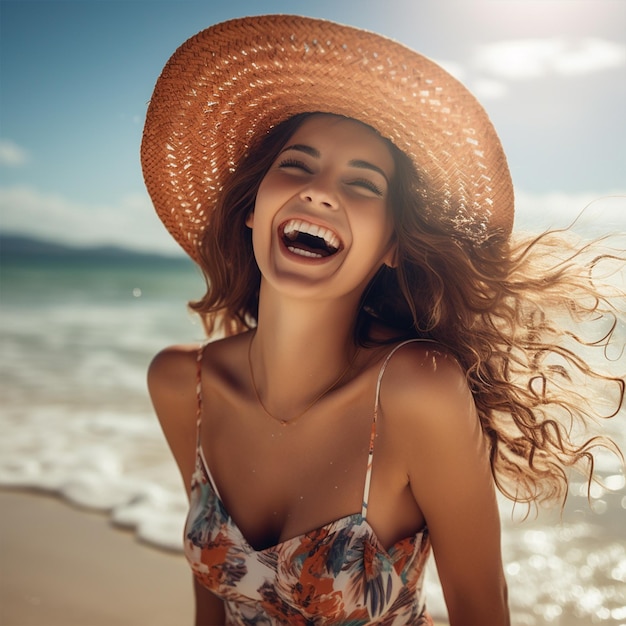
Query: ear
x=250, y=219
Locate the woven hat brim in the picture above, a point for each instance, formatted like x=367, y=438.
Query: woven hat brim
x=237, y=79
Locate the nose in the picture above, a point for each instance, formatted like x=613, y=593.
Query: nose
x=319, y=193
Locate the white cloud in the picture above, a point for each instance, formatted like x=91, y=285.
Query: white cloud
x=482, y=88
x=591, y=55
x=588, y=213
x=515, y=59
x=11, y=154
x=534, y=58
x=131, y=223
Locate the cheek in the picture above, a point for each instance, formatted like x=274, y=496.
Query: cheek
x=388, y=226
x=378, y=241
x=263, y=203
x=377, y=231
x=260, y=222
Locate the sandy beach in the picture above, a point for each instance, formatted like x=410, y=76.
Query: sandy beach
x=61, y=566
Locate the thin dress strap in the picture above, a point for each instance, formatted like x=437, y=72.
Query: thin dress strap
x=199, y=452
x=199, y=393
x=370, y=457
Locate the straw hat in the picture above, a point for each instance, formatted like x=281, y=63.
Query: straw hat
x=237, y=79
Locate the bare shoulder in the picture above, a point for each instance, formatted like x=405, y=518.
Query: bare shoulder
x=427, y=406
x=174, y=370
x=422, y=377
x=172, y=377
x=432, y=421
x=172, y=366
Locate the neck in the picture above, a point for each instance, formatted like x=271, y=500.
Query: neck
x=299, y=350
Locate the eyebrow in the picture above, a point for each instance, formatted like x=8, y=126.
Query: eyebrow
x=315, y=153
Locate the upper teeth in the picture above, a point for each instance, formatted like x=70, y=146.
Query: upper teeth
x=293, y=227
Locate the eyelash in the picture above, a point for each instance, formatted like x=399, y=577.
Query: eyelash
x=367, y=184
x=295, y=163
x=359, y=182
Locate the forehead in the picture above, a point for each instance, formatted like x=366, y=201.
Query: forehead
x=345, y=138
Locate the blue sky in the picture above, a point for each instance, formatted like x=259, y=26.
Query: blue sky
x=76, y=76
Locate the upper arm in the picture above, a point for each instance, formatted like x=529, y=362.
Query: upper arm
x=172, y=379
x=448, y=468
x=172, y=383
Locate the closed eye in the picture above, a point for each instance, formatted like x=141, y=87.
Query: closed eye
x=367, y=184
x=295, y=163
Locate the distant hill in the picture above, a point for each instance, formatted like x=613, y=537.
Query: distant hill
x=20, y=249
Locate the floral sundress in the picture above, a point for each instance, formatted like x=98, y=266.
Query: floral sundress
x=338, y=574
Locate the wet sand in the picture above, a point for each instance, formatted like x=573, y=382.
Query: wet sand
x=61, y=566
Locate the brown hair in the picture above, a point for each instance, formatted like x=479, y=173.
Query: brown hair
x=504, y=309
x=226, y=257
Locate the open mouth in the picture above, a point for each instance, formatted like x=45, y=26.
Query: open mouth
x=309, y=240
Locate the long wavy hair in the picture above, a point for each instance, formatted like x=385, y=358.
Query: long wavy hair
x=524, y=317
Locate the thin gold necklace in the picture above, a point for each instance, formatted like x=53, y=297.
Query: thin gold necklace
x=287, y=422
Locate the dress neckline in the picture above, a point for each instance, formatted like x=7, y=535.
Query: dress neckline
x=354, y=519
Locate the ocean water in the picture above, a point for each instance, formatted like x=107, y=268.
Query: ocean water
x=75, y=342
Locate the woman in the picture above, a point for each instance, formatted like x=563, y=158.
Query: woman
x=382, y=344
